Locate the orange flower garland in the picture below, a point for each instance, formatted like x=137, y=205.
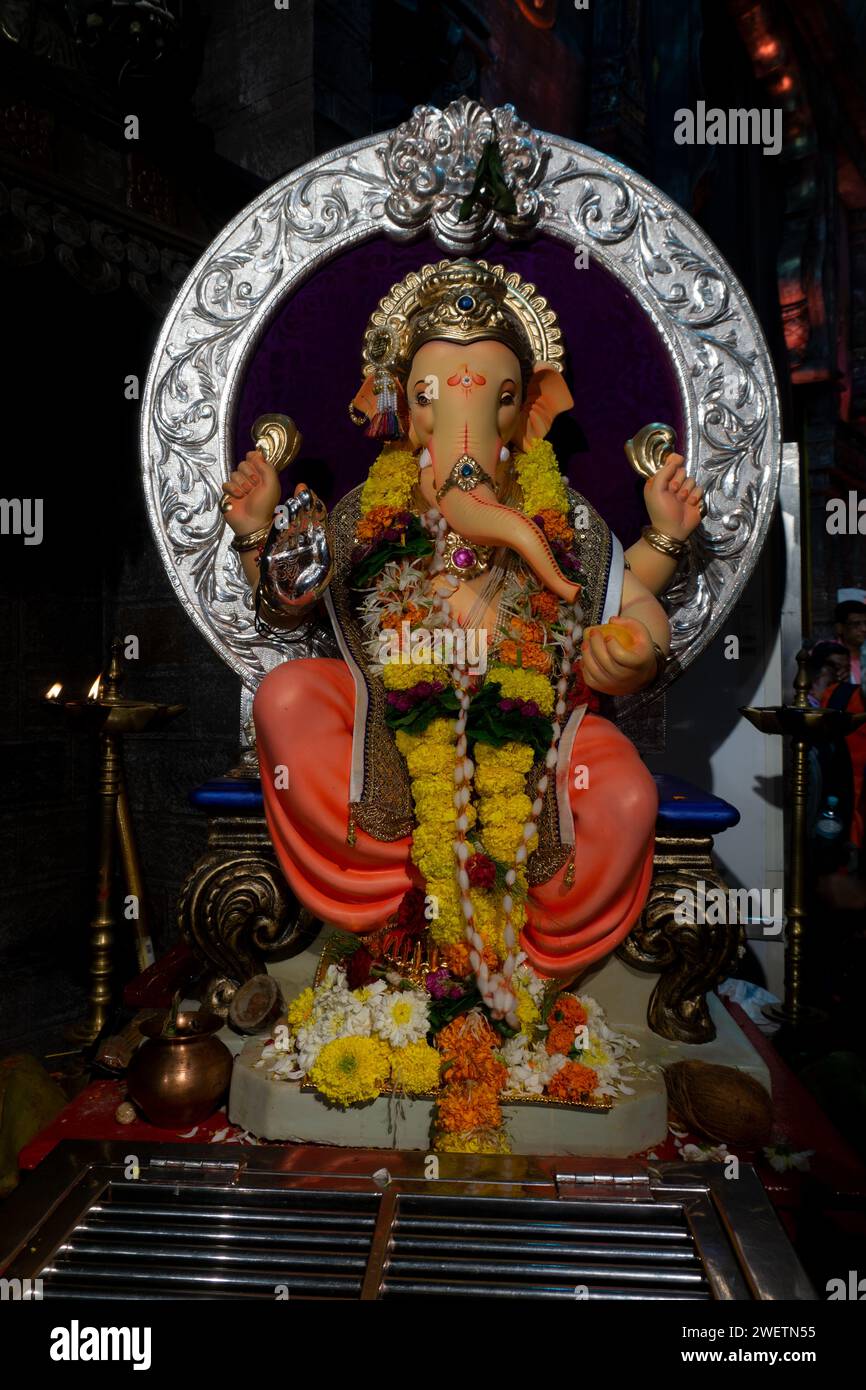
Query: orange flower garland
x=468, y=1109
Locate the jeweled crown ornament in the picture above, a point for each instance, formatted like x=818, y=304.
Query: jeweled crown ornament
x=462, y=301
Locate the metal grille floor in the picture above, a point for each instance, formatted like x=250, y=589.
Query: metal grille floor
x=302, y=1222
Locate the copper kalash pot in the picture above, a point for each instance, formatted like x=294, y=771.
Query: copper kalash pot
x=179, y=1077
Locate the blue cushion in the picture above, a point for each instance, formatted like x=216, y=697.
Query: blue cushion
x=683, y=808
x=228, y=794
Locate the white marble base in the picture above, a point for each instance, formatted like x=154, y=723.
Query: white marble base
x=281, y=1110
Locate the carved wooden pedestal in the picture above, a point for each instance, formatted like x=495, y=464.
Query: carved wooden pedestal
x=692, y=957
x=235, y=909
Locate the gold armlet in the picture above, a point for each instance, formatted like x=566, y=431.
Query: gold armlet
x=665, y=545
x=252, y=542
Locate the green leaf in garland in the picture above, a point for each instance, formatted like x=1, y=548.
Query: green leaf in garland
x=488, y=723
x=366, y=570
x=414, y=721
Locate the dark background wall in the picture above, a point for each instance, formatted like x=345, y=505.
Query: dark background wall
x=96, y=232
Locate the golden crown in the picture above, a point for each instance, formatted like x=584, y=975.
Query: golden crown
x=462, y=301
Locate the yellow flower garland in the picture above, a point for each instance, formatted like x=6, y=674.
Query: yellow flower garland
x=542, y=484
x=500, y=780
x=518, y=684
x=391, y=481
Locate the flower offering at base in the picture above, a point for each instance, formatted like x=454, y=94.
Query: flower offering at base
x=433, y=1037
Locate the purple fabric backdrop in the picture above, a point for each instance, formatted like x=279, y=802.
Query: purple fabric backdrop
x=308, y=365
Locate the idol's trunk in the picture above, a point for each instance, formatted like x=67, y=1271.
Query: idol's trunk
x=481, y=520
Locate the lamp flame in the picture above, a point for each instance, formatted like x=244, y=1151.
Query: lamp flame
x=93, y=692
x=53, y=692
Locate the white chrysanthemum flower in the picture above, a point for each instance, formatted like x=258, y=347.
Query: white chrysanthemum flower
x=312, y=1037
x=401, y=1017
x=367, y=994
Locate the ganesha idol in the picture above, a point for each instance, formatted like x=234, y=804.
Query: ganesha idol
x=455, y=764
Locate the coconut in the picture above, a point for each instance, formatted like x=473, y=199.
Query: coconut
x=720, y=1103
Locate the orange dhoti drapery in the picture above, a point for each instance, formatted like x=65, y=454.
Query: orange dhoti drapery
x=304, y=717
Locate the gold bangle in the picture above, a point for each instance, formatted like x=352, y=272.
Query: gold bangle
x=665, y=545
x=256, y=538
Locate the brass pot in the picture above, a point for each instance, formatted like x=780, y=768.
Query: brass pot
x=180, y=1080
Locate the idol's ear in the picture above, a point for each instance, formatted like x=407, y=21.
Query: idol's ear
x=364, y=403
x=381, y=401
x=546, y=397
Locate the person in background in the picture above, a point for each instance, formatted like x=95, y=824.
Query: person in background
x=850, y=620
x=829, y=663
x=849, y=695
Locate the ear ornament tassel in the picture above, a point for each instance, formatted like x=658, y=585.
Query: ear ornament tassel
x=389, y=419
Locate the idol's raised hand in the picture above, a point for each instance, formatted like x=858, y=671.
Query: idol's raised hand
x=673, y=500
x=254, y=490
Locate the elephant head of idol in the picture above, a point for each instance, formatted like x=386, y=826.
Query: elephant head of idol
x=464, y=359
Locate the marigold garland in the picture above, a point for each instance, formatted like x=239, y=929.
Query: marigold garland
x=501, y=811
x=390, y=482
x=541, y=482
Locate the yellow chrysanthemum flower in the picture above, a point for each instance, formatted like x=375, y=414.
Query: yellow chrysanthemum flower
x=428, y=759
x=350, y=1070
x=434, y=808
x=513, y=811
x=528, y=1011
x=448, y=927
x=300, y=1010
x=415, y=1067
x=498, y=781
x=501, y=842
x=440, y=732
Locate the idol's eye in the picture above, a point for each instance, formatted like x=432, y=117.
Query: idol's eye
x=507, y=398
x=421, y=399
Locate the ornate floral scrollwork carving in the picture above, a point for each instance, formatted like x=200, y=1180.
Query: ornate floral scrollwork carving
x=236, y=910
x=431, y=161
x=691, y=956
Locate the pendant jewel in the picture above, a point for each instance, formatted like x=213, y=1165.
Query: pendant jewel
x=463, y=559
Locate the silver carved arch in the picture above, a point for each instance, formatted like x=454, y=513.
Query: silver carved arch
x=404, y=185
